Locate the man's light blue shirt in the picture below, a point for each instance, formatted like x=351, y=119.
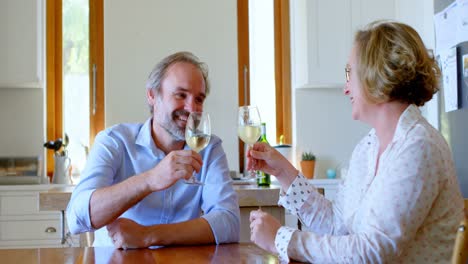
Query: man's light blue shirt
x=125, y=150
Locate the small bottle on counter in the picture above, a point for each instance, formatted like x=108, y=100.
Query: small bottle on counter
x=263, y=179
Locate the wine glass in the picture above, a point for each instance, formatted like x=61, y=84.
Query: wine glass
x=197, y=136
x=249, y=129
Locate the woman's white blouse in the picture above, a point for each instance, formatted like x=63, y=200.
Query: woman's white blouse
x=406, y=212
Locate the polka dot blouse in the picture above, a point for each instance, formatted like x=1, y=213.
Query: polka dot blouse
x=405, y=212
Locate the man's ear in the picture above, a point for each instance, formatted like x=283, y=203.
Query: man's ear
x=151, y=96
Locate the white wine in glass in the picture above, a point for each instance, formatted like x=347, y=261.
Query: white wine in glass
x=197, y=142
x=249, y=134
x=249, y=128
x=197, y=136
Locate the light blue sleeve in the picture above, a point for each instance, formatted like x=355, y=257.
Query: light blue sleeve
x=99, y=172
x=219, y=199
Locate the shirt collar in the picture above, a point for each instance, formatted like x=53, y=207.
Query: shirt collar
x=407, y=120
x=145, y=139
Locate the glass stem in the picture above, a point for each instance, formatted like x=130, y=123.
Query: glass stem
x=251, y=171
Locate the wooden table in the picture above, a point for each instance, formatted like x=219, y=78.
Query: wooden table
x=227, y=253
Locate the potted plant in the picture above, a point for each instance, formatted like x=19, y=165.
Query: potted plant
x=308, y=164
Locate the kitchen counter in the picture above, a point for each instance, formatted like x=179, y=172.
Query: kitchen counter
x=57, y=197
x=251, y=197
x=29, y=187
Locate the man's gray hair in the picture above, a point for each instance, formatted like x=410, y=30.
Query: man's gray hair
x=159, y=71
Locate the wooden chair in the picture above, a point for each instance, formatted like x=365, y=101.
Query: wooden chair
x=466, y=207
x=86, y=239
x=460, y=251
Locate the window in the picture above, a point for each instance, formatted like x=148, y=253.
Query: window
x=264, y=65
x=74, y=75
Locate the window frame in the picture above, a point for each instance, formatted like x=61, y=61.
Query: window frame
x=54, y=75
x=282, y=65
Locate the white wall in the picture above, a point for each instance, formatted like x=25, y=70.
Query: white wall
x=139, y=34
x=21, y=82
x=325, y=127
x=22, y=122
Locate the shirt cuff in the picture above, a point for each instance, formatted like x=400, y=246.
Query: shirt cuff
x=224, y=225
x=283, y=236
x=293, y=199
x=78, y=218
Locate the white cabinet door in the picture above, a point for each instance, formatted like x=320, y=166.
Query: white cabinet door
x=322, y=33
x=21, y=49
x=31, y=229
x=22, y=225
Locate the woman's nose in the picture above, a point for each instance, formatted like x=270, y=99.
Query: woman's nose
x=346, y=89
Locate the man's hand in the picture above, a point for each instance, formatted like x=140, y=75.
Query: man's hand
x=175, y=166
x=263, y=229
x=126, y=233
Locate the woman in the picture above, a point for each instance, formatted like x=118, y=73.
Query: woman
x=400, y=201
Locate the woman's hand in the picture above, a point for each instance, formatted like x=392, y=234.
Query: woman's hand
x=263, y=229
x=267, y=159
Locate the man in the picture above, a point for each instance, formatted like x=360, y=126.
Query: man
x=132, y=191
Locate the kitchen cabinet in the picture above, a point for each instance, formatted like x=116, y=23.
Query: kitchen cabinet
x=22, y=42
x=322, y=33
x=22, y=225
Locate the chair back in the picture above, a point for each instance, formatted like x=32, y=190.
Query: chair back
x=466, y=207
x=460, y=251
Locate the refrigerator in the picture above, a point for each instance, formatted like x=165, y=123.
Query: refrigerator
x=454, y=124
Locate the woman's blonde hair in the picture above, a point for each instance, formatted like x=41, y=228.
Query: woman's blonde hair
x=394, y=65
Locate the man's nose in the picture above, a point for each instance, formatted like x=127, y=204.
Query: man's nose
x=192, y=106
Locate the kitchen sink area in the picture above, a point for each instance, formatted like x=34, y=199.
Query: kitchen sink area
x=20, y=170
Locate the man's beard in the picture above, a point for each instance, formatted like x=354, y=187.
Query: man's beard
x=169, y=124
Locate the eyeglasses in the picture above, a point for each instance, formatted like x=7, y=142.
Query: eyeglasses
x=347, y=70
